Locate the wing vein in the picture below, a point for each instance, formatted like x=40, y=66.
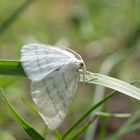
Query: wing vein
x=38, y=63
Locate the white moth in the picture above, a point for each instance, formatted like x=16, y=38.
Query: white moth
x=54, y=74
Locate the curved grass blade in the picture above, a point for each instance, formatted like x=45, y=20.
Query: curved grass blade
x=113, y=83
x=28, y=129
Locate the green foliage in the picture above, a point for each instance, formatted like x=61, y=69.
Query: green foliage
x=67, y=135
x=29, y=130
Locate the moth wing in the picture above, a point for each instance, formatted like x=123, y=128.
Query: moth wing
x=53, y=94
x=38, y=60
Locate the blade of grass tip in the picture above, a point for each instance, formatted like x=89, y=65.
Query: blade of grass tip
x=103, y=122
x=134, y=117
x=115, y=115
x=28, y=129
x=4, y=26
x=113, y=83
x=11, y=67
x=86, y=114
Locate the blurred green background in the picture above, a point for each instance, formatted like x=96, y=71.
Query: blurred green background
x=95, y=29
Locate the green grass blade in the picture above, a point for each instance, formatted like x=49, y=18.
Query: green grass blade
x=86, y=114
x=11, y=67
x=113, y=83
x=115, y=115
x=28, y=129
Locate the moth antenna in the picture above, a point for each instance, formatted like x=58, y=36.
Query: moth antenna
x=75, y=53
x=83, y=67
x=84, y=75
x=80, y=58
x=84, y=72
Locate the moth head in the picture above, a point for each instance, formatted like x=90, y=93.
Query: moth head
x=81, y=65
